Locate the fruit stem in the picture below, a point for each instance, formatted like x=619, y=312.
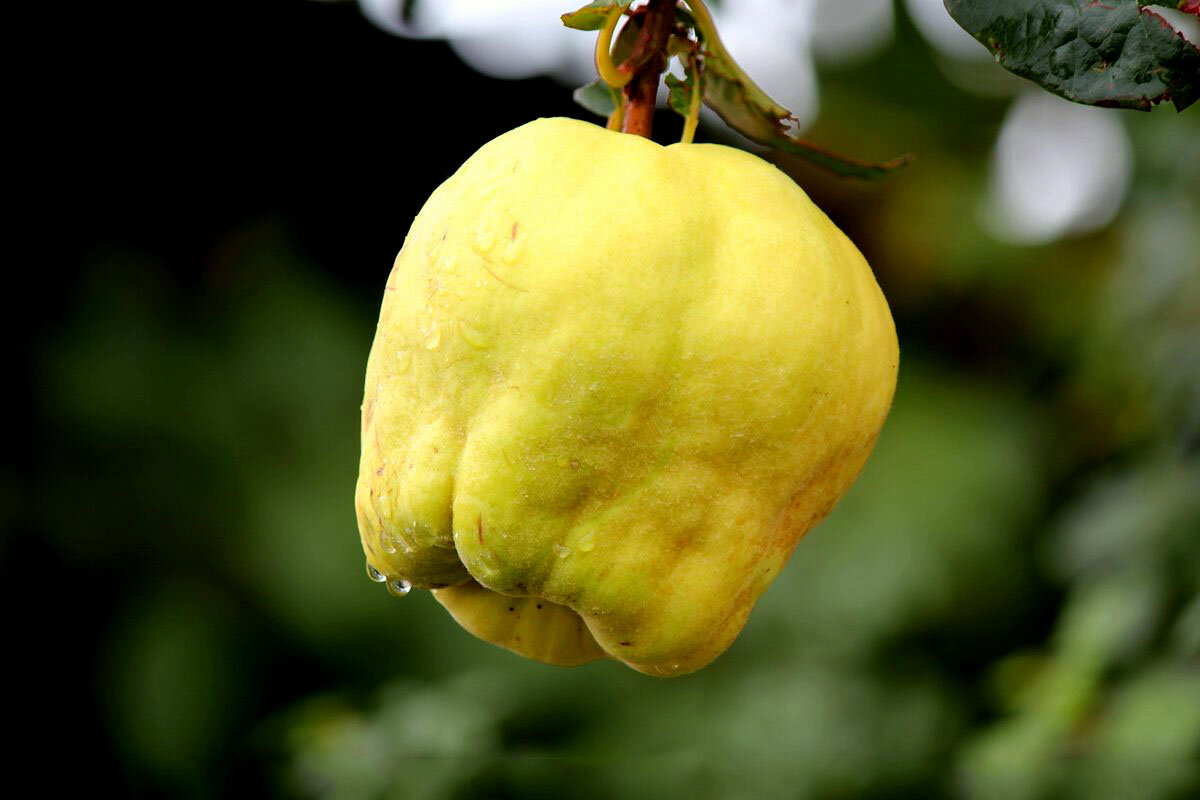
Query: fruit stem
x=642, y=91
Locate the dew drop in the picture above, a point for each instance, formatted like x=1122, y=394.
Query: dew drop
x=474, y=336
x=426, y=324
x=485, y=236
x=398, y=587
x=512, y=251
x=562, y=551
x=403, y=361
x=374, y=574
x=485, y=569
x=587, y=542
x=387, y=542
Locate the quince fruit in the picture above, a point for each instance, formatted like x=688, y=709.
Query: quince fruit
x=612, y=385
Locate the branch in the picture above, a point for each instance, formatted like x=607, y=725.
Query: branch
x=651, y=56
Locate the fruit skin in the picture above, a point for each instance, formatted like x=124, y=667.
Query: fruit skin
x=619, y=381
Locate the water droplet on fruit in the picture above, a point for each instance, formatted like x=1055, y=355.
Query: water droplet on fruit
x=474, y=336
x=512, y=251
x=427, y=328
x=561, y=551
x=398, y=587
x=387, y=542
x=485, y=237
x=374, y=574
x=484, y=569
x=587, y=542
x=403, y=362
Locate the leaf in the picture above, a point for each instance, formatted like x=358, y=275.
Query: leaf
x=592, y=16
x=726, y=89
x=679, y=92
x=1103, y=52
x=597, y=97
x=679, y=95
x=774, y=126
x=626, y=40
x=751, y=112
x=624, y=44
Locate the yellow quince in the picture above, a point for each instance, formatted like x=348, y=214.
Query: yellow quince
x=612, y=385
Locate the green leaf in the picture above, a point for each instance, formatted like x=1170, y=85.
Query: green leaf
x=626, y=39
x=1104, y=53
x=679, y=95
x=726, y=89
x=597, y=97
x=751, y=112
x=679, y=92
x=592, y=16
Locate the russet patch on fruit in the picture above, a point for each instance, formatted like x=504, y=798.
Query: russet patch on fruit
x=612, y=385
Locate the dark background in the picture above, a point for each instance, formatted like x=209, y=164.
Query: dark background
x=1005, y=606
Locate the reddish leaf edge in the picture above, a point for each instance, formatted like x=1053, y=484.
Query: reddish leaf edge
x=1187, y=7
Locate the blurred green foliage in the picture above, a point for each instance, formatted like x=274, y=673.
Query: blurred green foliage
x=1007, y=604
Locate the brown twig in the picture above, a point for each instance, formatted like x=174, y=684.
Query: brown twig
x=650, y=53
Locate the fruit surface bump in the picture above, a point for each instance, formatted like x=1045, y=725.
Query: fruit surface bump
x=612, y=385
